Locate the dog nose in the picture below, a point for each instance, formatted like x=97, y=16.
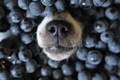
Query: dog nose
x=58, y=29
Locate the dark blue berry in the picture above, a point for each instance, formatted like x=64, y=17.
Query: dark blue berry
x=114, y=46
x=82, y=53
x=15, y=30
x=111, y=69
x=26, y=38
x=17, y=71
x=2, y=55
x=53, y=64
x=47, y=2
x=23, y=4
x=106, y=36
x=14, y=59
x=59, y=4
x=30, y=66
x=99, y=76
x=75, y=3
x=4, y=75
x=100, y=26
x=15, y=16
x=36, y=8
x=112, y=60
x=67, y=69
x=94, y=57
x=30, y=15
x=112, y=13
x=87, y=3
x=49, y=11
x=27, y=25
x=10, y=4
x=101, y=45
x=84, y=76
x=107, y=3
x=24, y=54
x=90, y=66
x=57, y=74
x=46, y=71
x=90, y=41
x=79, y=66
x=98, y=3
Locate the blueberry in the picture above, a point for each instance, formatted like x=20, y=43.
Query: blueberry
x=84, y=76
x=112, y=60
x=98, y=3
x=14, y=59
x=111, y=69
x=114, y=46
x=87, y=3
x=31, y=66
x=4, y=75
x=23, y=4
x=112, y=13
x=27, y=25
x=36, y=8
x=101, y=45
x=46, y=71
x=79, y=66
x=59, y=4
x=47, y=2
x=90, y=41
x=57, y=74
x=15, y=16
x=99, y=76
x=75, y=3
x=24, y=54
x=49, y=11
x=15, y=30
x=29, y=14
x=106, y=36
x=114, y=77
x=67, y=69
x=100, y=26
x=10, y=4
x=53, y=64
x=26, y=38
x=94, y=57
x=82, y=53
x=17, y=71
x=2, y=55
x=107, y=3
x=2, y=12
x=90, y=66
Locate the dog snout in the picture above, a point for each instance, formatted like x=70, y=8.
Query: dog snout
x=58, y=29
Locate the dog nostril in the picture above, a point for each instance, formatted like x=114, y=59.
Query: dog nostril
x=64, y=29
x=52, y=29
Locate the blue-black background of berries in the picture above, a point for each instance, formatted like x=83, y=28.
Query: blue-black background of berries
x=97, y=58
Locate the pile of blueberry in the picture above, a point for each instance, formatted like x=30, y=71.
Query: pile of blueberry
x=98, y=57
